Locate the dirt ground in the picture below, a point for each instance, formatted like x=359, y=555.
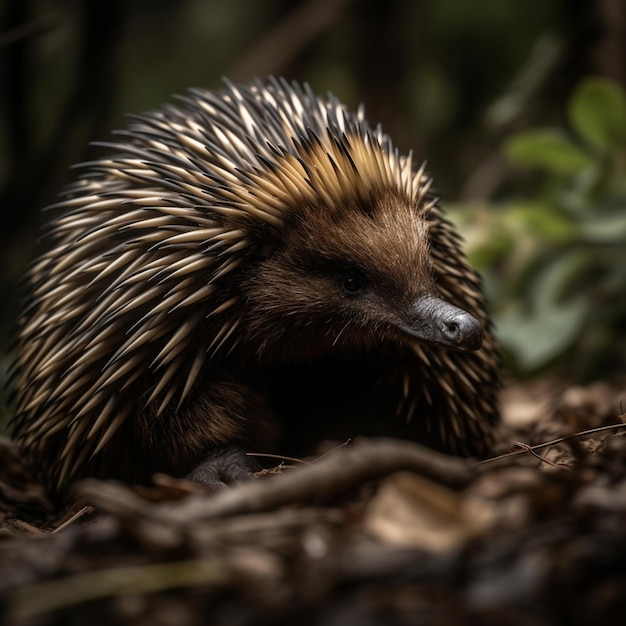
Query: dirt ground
x=375, y=532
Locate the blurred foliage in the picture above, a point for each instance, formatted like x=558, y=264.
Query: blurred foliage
x=554, y=259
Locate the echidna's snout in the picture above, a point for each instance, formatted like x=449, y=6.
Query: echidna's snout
x=436, y=321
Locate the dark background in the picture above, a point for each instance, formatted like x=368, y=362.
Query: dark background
x=450, y=79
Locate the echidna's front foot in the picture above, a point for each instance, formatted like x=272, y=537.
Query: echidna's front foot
x=224, y=466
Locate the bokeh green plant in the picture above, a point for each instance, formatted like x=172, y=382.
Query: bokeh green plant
x=554, y=257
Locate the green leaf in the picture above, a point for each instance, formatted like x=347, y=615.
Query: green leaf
x=597, y=111
x=548, y=149
x=604, y=228
x=537, y=339
x=543, y=219
x=551, y=325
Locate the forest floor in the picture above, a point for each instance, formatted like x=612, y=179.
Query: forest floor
x=375, y=532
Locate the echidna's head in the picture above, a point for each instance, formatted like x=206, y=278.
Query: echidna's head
x=356, y=275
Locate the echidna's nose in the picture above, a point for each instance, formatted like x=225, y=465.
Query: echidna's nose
x=462, y=331
x=434, y=320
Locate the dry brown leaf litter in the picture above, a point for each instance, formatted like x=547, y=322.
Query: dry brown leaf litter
x=377, y=532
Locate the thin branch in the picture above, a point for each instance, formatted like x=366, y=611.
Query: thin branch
x=545, y=444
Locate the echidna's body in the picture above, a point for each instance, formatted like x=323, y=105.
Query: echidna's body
x=255, y=268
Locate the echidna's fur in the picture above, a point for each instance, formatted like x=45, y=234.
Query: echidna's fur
x=157, y=327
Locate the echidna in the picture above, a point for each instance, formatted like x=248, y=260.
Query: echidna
x=251, y=269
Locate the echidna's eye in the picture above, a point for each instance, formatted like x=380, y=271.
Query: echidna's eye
x=353, y=284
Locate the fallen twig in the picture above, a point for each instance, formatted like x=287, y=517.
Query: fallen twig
x=328, y=478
